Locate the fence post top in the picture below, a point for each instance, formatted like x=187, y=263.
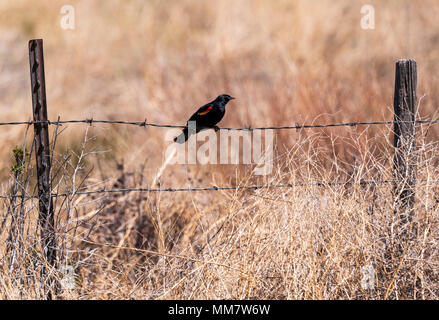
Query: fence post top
x=34, y=42
x=400, y=61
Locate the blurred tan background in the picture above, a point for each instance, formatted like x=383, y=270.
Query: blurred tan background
x=286, y=62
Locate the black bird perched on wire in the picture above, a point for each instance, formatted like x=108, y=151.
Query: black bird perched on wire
x=206, y=117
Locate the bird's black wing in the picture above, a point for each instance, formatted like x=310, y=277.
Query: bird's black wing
x=202, y=112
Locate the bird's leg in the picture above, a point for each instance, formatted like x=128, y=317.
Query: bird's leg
x=216, y=128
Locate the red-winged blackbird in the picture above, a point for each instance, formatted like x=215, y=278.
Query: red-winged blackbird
x=206, y=117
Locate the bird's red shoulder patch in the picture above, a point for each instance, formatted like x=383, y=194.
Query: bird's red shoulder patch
x=202, y=113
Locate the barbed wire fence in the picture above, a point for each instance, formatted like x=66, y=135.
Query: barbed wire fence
x=404, y=124
x=224, y=188
x=213, y=187
x=217, y=188
x=159, y=125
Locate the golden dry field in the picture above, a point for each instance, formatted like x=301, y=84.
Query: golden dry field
x=286, y=62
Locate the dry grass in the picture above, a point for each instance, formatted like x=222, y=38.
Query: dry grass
x=286, y=62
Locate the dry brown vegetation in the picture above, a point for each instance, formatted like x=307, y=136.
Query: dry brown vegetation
x=286, y=62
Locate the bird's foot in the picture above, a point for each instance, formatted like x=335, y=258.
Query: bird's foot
x=216, y=128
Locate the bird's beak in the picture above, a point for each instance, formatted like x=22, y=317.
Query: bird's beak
x=231, y=98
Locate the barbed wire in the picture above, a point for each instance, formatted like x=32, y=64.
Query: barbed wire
x=210, y=188
x=216, y=188
x=149, y=124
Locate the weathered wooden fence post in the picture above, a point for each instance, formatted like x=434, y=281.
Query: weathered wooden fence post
x=405, y=109
x=42, y=155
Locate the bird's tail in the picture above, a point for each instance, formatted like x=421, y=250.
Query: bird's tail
x=182, y=138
